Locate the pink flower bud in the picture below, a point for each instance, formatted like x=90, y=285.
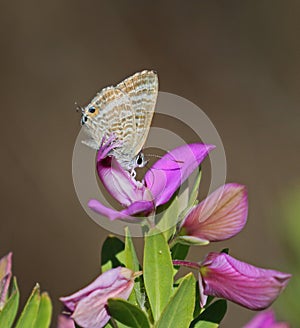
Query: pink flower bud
x=266, y=319
x=88, y=306
x=5, y=277
x=242, y=283
x=65, y=322
x=220, y=216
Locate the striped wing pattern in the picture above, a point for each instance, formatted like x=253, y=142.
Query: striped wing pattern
x=142, y=89
x=125, y=111
x=115, y=116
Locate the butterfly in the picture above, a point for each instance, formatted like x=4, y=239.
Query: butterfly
x=124, y=111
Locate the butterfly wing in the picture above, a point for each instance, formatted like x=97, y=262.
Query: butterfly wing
x=142, y=89
x=113, y=115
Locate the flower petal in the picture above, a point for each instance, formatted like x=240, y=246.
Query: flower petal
x=89, y=304
x=143, y=207
x=112, y=214
x=5, y=277
x=140, y=207
x=220, y=216
x=65, y=322
x=118, y=182
x=242, y=283
x=265, y=319
x=169, y=172
x=202, y=296
x=91, y=312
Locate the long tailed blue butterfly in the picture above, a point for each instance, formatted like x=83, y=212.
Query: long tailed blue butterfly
x=125, y=111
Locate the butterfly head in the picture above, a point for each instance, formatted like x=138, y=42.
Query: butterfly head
x=87, y=113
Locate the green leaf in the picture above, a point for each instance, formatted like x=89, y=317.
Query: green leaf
x=183, y=196
x=9, y=311
x=30, y=311
x=43, y=319
x=204, y=324
x=193, y=197
x=197, y=309
x=179, y=311
x=158, y=272
x=127, y=313
x=111, y=249
x=114, y=324
x=179, y=251
x=169, y=217
x=132, y=262
x=225, y=250
x=195, y=190
x=212, y=316
x=119, y=325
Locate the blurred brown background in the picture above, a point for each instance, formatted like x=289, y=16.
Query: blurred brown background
x=237, y=60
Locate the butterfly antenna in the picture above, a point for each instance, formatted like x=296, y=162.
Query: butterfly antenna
x=158, y=156
x=170, y=159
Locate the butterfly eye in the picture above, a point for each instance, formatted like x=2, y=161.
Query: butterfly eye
x=92, y=110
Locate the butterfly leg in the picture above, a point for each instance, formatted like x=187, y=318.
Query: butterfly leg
x=133, y=173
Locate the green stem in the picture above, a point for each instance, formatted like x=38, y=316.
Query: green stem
x=187, y=264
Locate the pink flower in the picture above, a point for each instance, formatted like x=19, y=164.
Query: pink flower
x=254, y=288
x=220, y=216
x=5, y=277
x=88, y=306
x=266, y=319
x=65, y=322
x=160, y=181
